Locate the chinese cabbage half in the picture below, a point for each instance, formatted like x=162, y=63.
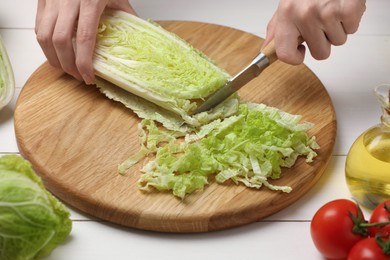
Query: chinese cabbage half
x=148, y=61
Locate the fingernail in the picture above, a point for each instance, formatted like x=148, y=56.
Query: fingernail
x=87, y=79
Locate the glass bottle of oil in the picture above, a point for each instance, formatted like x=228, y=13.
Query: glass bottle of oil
x=367, y=166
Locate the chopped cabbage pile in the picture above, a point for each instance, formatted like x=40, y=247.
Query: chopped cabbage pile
x=249, y=147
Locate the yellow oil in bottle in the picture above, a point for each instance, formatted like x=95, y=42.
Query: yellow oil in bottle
x=368, y=167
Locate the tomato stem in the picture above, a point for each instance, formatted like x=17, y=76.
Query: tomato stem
x=359, y=223
x=387, y=207
x=375, y=224
x=384, y=244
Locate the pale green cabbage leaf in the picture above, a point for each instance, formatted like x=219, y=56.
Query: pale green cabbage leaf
x=7, y=81
x=172, y=121
x=32, y=221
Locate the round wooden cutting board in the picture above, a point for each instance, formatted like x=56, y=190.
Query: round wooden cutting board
x=75, y=138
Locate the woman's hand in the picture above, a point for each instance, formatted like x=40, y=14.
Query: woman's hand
x=66, y=31
x=319, y=23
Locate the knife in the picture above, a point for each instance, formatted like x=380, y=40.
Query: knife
x=265, y=58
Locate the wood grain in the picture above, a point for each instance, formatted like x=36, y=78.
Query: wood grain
x=75, y=138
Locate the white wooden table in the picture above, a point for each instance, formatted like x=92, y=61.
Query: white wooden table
x=349, y=75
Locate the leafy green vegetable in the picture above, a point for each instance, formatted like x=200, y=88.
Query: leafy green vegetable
x=148, y=61
x=242, y=142
x=7, y=82
x=32, y=221
x=145, y=109
x=247, y=148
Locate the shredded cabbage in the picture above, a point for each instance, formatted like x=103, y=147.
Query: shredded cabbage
x=247, y=148
x=7, y=82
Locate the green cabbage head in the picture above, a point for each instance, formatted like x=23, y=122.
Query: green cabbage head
x=32, y=221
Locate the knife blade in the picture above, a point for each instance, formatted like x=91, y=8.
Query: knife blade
x=266, y=57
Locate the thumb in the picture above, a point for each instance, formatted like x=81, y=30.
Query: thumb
x=270, y=31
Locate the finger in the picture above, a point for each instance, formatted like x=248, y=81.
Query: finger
x=288, y=44
x=86, y=39
x=318, y=44
x=131, y=10
x=63, y=35
x=352, y=12
x=315, y=38
x=40, y=10
x=44, y=31
x=122, y=5
x=270, y=31
x=329, y=20
x=335, y=33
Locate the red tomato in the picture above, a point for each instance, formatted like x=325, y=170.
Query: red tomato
x=381, y=213
x=367, y=249
x=331, y=228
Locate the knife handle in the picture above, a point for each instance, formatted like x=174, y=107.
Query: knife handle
x=270, y=52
